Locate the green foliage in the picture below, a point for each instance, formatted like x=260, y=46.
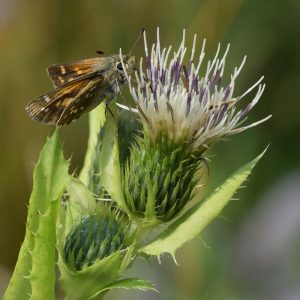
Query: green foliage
x=90, y=256
x=90, y=282
x=101, y=169
x=43, y=279
x=110, y=174
x=128, y=127
x=131, y=283
x=96, y=121
x=190, y=225
x=38, y=249
x=82, y=201
x=96, y=242
x=164, y=178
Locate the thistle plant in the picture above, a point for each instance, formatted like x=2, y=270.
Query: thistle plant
x=183, y=115
x=130, y=187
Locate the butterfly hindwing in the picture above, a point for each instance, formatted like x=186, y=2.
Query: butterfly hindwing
x=63, y=73
x=67, y=102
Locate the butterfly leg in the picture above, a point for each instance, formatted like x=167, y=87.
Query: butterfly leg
x=111, y=113
x=109, y=99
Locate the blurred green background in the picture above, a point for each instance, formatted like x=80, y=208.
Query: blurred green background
x=252, y=251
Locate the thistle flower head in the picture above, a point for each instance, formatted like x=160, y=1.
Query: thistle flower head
x=186, y=102
x=184, y=109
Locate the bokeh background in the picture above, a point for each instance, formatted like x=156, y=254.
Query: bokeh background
x=252, y=251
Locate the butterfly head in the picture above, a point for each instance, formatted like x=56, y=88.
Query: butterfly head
x=128, y=64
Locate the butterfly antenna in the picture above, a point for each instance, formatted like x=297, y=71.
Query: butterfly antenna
x=137, y=39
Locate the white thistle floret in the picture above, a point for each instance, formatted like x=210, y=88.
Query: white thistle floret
x=174, y=100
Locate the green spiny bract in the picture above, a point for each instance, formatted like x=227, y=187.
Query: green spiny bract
x=93, y=238
x=159, y=179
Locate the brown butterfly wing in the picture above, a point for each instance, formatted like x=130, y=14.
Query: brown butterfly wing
x=63, y=73
x=67, y=102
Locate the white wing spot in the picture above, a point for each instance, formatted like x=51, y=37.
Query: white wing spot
x=63, y=70
x=88, y=95
x=47, y=98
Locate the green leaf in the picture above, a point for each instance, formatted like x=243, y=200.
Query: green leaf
x=110, y=173
x=130, y=283
x=96, y=121
x=49, y=181
x=190, y=224
x=81, y=195
x=43, y=279
x=90, y=280
x=81, y=202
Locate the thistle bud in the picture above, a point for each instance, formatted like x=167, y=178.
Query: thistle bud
x=159, y=180
x=93, y=238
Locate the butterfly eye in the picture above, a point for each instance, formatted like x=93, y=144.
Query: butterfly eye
x=119, y=66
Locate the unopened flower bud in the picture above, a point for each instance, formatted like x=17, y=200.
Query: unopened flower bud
x=93, y=238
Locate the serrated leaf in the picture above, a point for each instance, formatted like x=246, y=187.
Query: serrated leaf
x=110, y=173
x=42, y=280
x=96, y=121
x=190, y=224
x=49, y=181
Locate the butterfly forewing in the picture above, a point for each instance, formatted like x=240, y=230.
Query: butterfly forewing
x=80, y=87
x=66, y=102
x=63, y=73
